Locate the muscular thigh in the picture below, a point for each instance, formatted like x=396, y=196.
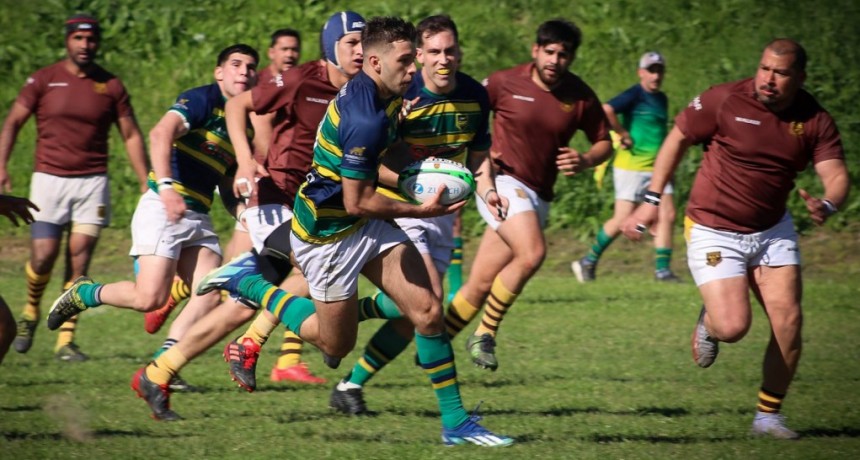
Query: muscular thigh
x=402, y=273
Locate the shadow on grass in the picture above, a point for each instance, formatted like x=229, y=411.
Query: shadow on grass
x=622, y=438
x=844, y=432
x=21, y=409
x=105, y=433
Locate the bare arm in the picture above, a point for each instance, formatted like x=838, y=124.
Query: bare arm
x=671, y=151
x=616, y=125
x=834, y=176
x=135, y=147
x=170, y=127
x=236, y=116
x=18, y=115
x=360, y=199
x=481, y=166
x=262, y=133
x=570, y=162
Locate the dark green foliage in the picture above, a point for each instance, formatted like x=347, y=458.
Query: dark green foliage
x=160, y=48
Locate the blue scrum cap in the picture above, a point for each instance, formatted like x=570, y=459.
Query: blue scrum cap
x=338, y=25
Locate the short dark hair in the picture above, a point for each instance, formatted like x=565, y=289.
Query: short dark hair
x=432, y=25
x=385, y=30
x=286, y=33
x=240, y=48
x=559, y=31
x=782, y=46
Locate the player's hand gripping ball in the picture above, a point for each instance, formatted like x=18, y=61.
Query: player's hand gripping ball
x=421, y=180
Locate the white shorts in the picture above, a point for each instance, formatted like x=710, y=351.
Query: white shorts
x=520, y=199
x=152, y=234
x=332, y=269
x=632, y=185
x=716, y=254
x=262, y=220
x=82, y=200
x=434, y=236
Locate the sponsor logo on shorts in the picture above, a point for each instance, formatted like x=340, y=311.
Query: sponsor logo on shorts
x=714, y=258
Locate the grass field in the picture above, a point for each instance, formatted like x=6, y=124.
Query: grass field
x=595, y=371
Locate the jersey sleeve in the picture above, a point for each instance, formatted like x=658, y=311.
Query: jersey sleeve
x=624, y=102
x=362, y=140
x=595, y=125
x=277, y=93
x=192, y=107
x=123, y=100
x=698, y=121
x=492, y=84
x=31, y=92
x=828, y=142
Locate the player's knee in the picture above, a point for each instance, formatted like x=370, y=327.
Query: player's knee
x=731, y=330
x=788, y=318
x=147, y=302
x=532, y=261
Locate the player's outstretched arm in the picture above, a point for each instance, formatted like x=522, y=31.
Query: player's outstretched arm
x=16, y=208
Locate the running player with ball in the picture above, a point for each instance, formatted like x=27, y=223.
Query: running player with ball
x=340, y=229
x=449, y=122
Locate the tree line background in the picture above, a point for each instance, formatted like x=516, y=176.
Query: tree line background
x=160, y=48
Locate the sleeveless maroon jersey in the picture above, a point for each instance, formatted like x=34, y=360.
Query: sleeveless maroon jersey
x=530, y=124
x=299, y=97
x=73, y=118
x=752, y=155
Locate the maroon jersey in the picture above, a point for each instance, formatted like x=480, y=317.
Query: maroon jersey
x=299, y=97
x=530, y=124
x=73, y=118
x=752, y=155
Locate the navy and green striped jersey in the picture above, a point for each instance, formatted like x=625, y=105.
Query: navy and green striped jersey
x=445, y=125
x=204, y=155
x=353, y=136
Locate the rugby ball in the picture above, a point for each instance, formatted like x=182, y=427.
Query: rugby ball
x=422, y=179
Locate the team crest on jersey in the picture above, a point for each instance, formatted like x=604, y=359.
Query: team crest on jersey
x=462, y=122
x=357, y=151
x=565, y=107
x=796, y=128
x=520, y=193
x=100, y=88
x=714, y=258
x=101, y=211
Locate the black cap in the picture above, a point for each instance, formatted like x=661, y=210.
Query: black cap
x=84, y=22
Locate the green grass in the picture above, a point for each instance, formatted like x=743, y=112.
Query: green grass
x=595, y=371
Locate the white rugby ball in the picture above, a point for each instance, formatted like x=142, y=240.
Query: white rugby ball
x=422, y=179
